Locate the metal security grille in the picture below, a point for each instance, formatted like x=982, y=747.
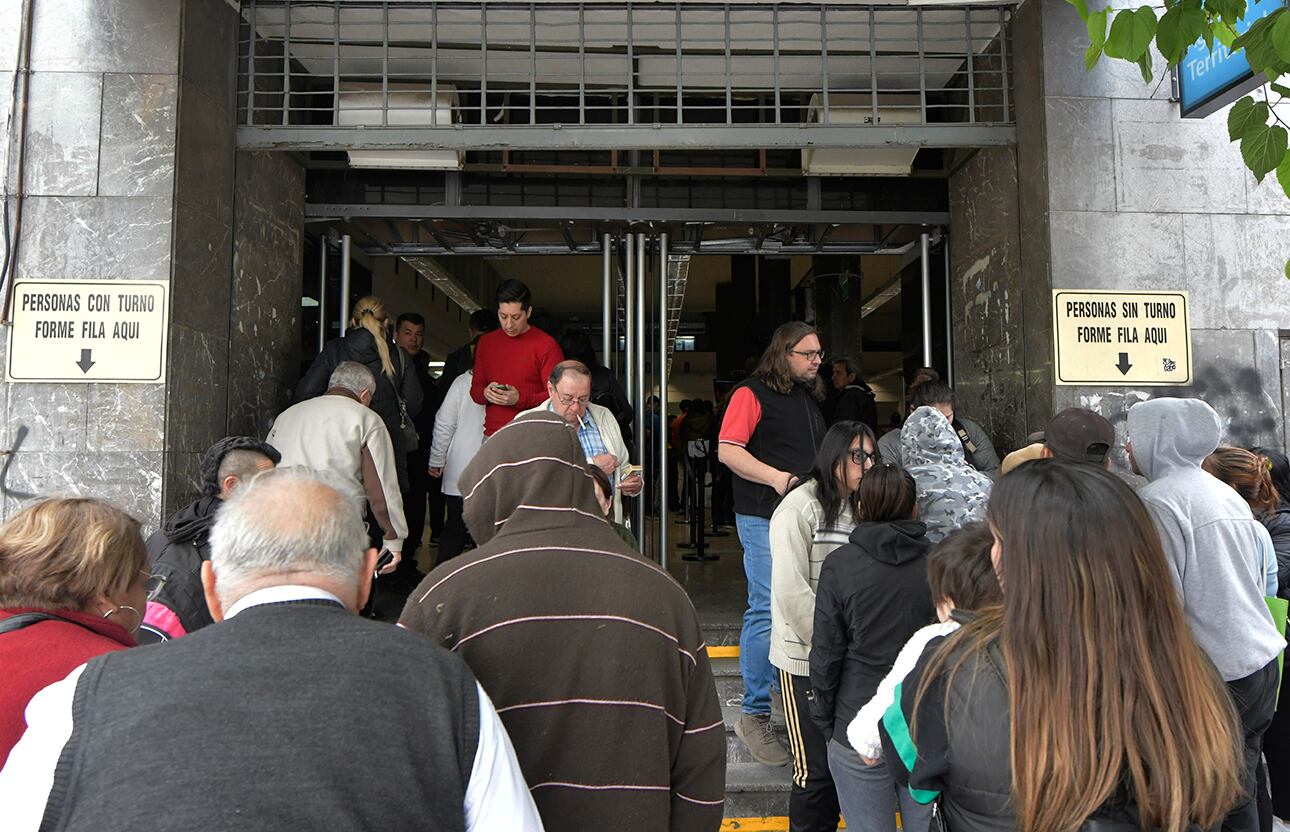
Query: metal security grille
x=343, y=74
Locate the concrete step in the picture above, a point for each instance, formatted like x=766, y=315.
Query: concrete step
x=755, y=790
x=721, y=634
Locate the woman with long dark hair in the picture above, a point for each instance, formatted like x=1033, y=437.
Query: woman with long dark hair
x=1276, y=742
x=812, y=520
x=1085, y=695
x=873, y=596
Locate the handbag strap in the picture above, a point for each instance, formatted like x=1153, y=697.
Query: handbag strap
x=25, y=619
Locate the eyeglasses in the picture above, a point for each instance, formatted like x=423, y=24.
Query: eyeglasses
x=809, y=355
x=153, y=585
x=860, y=457
x=569, y=401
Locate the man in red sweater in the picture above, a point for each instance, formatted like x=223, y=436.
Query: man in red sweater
x=512, y=364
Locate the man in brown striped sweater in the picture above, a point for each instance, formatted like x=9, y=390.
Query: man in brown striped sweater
x=592, y=655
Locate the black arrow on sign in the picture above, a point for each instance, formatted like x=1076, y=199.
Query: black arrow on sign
x=1124, y=364
x=85, y=363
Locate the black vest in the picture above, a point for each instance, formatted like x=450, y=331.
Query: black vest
x=288, y=716
x=787, y=437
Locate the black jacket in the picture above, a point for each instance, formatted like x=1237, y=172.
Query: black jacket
x=787, y=437
x=358, y=345
x=1278, y=526
x=872, y=597
x=968, y=761
x=458, y=362
x=177, y=551
x=431, y=398
x=856, y=403
x=607, y=392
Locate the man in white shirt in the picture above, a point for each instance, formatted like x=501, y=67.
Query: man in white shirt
x=290, y=712
x=339, y=432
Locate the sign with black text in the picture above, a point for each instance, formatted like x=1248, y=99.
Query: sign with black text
x=1121, y=338
x=88, y=331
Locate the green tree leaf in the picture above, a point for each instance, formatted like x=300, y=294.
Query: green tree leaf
x=1144, y=65
x=1263, y=148
x=1081, y=8
x=1281, y=35
x=1283, y=174
x=1178, y=29
x=1096, y=25
x=1288, y=270
x=1131, y=33
x=1282, y=91
x=1225, y=34
x=1245, y=114
x=1228, y=11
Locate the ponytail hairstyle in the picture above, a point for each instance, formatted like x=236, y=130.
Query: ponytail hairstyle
x=1280, y=468
x=1248, y=474
x=887, y=493
x=369, y=313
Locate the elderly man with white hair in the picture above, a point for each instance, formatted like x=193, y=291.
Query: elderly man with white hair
x=339, y=432
x=290, y=712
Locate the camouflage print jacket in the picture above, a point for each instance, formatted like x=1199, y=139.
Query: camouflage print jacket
x=951, y=493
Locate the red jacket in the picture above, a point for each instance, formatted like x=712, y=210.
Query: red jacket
x=43, y=653
x=525, y=362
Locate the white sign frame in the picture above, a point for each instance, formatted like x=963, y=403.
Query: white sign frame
x=1145, y=360
x=118, y=362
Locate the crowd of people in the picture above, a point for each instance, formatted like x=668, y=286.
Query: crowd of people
x=954, y=641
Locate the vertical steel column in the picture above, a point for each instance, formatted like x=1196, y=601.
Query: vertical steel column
x=434, y=65
x=641, y=349
x=250, y=71
x=774, y=25
x=629, y=320
x=927, y=301
x=949, y=310
x=663, y=345
x=607, y=302
x=385, y=64
x=1005, y=30
x=344, y=284
x=873, y=67
x=483, y=64
x=322, y=293
x=824, y=61
x=971, y=75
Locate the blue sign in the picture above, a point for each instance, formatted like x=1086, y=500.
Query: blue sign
x=1208, y=81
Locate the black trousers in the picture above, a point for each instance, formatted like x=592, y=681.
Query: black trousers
x=1276, y=749
x=1255, y=698
x=453, y=540
x=414, y=503
x=813, y=801
x=435, y=519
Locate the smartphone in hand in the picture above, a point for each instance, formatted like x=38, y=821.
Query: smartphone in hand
x=382, y=562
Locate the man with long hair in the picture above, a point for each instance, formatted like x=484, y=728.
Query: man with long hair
x=769, y=436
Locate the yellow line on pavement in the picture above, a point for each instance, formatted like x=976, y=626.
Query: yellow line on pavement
x=766, y=824
x=730, y=651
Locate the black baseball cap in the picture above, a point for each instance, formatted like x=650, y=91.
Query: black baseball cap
x=1080, y=435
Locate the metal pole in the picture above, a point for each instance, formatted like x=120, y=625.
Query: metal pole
x=344, y=284
x=927, y=302
x=662, y=399
x=949, y=310
x=641, y=350
x=629, y=320
x=322, y=292
x=606, y=302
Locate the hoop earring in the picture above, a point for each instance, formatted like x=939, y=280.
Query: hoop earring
x=137, y=615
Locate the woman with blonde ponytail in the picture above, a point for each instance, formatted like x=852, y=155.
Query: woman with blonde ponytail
x=1083, y=702
x=367, y=341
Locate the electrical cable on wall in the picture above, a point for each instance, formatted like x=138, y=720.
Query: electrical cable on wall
x=22, y=75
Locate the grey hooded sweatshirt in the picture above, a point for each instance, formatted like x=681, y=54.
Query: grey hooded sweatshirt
x=1211, y=540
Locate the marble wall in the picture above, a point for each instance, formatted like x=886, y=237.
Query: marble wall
x=264, y=350
x=1115, y=191
x=99, y=172
x=132, y=173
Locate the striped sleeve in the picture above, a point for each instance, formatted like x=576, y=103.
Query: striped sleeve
x=916, y=748
x=699, y=768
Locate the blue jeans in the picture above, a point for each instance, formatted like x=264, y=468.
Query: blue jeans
x=754, y=639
